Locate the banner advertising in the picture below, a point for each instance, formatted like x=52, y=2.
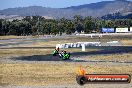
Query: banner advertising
x=103, y=78
x=108, y=30
x=121, y=29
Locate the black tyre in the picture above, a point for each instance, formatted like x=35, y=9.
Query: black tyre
x=54, y=54
x=69, y=56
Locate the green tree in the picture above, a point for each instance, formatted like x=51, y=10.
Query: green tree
x=5, y=27
x=13, y=29
x=89, y=25
x=1, y=27
x=34, y=30
x=54, y=28
x=70, y=27
x=78, y=23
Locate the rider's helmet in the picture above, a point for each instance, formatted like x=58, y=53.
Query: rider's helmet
x=65, y=52
x=58, y=49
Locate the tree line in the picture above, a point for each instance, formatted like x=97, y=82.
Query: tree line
x=38, y=25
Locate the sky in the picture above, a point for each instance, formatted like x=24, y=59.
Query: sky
x=4, y=4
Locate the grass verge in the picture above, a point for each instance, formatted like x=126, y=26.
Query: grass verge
x=52, y=74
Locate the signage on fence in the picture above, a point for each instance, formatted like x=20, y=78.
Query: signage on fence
x=108, y=30
x=121, y=29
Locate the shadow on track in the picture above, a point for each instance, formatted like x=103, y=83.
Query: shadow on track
x=103, y=51
x=47, y=57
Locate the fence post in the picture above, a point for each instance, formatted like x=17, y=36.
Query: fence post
x=83, y=47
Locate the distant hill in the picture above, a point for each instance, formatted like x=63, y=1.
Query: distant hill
x=117, y=16
x=94, y=9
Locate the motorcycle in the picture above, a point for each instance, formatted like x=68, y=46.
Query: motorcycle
x=55, y=53
x=63, y=56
